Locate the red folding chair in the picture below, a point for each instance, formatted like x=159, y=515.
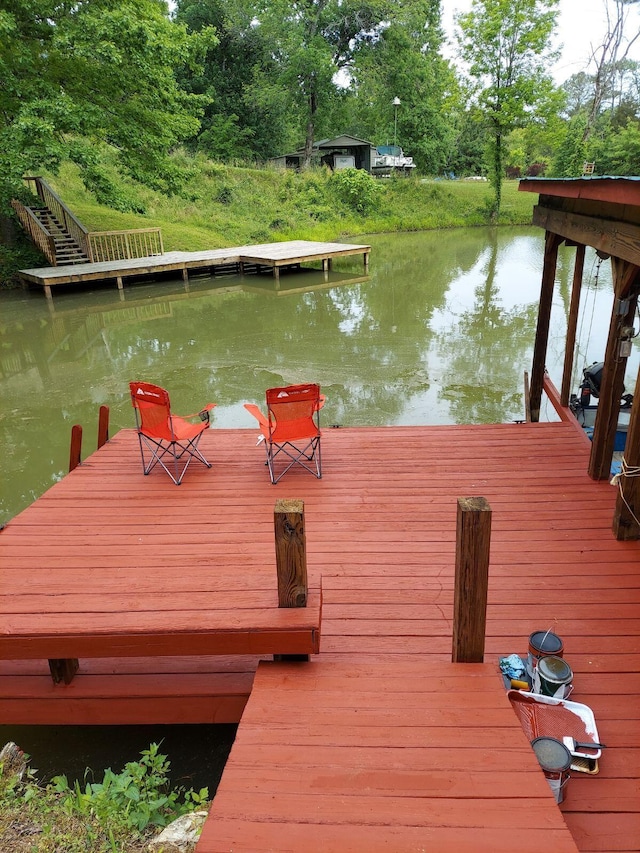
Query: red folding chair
x=291, y=428
x=169, y=439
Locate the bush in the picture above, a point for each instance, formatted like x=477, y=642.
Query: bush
x=357, y=189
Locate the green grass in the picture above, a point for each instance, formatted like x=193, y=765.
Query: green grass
x=220, y=206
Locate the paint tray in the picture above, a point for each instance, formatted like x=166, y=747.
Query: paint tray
x=544, y=716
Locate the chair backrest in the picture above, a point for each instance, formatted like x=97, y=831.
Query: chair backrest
x=293, y=412
x=153, y=409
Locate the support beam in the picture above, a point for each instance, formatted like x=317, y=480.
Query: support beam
x=552, y=241
x=291, y=559
x=103, y=426
x=572, y=325
x=473, y=536
x=63, y=669
x=75, y=449
x=615, y=363
x=291, y=553
x=626, y=519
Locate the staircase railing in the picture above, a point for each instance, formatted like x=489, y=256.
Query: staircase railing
x=36, y=231
x=124, y=245
x=62, y=213
x=96, y=245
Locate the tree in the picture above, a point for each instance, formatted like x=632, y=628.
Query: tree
x=506, y=46
x=404, y=62
x=249, y=114
x=314, y=40
x=609, y=56
x=88, y=72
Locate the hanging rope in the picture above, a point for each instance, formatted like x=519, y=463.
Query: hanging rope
x=597, y=263
x=616, y=480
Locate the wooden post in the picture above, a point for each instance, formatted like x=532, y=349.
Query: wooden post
x=552, y=241
x=572, y=325
x=626, y=519
x=103, y=426
x=604, y=433
x=63, y=669
x=291, y=553
x=527, y=400
x=75, y=449
x=473, y=537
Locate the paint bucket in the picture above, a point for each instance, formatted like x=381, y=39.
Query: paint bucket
x=542, y=643
x=553, y=677
x=555, y=760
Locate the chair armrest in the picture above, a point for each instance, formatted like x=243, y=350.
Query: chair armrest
x=257, y=414
x=203, y=414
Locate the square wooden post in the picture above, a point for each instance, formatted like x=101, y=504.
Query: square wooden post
x=473, y=537
x=291, y=552
x=291, y=559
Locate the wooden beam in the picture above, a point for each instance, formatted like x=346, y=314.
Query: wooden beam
x=291, y=553
x=103, y=426
x=291, y=560
x=552, y=241
x=615, y=363
x=626, y=519
x=473, y=535
x=572, y=325
x=63, y=669
x=614, y=237
x=75, y=449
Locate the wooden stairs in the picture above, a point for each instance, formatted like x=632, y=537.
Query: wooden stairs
x=68, y=251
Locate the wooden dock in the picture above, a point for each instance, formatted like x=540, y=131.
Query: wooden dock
x=241, y=259
x=367, y=714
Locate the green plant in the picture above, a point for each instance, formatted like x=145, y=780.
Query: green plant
x=357, y=189
x=137, y=797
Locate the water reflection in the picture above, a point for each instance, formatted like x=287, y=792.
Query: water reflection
x=441, y=332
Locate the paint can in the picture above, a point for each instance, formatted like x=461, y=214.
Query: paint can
x=555, y=760
x=542, y=643
x=553, y=677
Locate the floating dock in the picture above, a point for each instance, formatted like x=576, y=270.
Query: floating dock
x=241, y=259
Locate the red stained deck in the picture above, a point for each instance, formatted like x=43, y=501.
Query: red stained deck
x=381, y=536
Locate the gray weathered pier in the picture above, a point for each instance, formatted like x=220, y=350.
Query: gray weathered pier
x=274, y=256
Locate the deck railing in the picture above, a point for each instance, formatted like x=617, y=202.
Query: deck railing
x=96, y=245
x=36, y=231
x=62, y=213
x=125, y=245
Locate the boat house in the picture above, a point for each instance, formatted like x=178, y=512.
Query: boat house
x=603, y=213
x=341, y=152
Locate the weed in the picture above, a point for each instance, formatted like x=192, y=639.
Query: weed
x=111, y=816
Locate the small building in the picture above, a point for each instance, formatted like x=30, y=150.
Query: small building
x=341, y=152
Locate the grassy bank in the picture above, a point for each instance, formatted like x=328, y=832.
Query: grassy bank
x=220, y=206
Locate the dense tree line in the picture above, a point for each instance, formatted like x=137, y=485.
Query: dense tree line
x=245, y=80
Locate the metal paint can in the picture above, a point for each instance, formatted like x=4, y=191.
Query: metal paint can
x=553, y=677
x=555, y=760
x=542, y=643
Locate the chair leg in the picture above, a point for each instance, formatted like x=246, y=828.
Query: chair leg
x=158, y=450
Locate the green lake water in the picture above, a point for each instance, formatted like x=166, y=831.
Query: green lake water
x=441, y=331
